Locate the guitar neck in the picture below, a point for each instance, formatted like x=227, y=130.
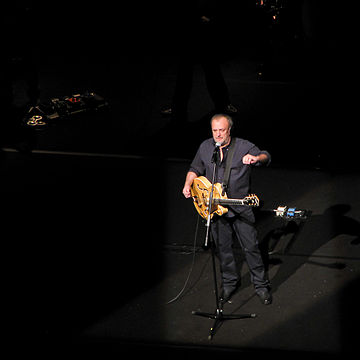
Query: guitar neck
x=230, y=202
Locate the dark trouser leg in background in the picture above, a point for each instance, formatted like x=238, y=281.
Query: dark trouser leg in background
x=247, y=236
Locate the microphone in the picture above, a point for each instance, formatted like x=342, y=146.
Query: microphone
x=216, y=151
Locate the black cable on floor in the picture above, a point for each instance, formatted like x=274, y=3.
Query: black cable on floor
x=192, y=265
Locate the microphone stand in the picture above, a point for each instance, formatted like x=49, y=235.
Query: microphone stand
x=218, y=315
x=214, y=160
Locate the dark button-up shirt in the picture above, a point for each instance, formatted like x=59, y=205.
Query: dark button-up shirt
x=239, y=180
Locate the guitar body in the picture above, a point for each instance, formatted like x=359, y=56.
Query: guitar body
x=200, y=191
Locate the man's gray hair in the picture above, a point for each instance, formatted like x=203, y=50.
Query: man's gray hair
x=226, y=116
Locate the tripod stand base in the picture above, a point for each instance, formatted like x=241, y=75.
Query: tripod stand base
x=219, y=317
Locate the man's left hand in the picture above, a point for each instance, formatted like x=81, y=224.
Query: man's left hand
x=250, y=159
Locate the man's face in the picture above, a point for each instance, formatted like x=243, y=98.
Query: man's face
x=220, y=130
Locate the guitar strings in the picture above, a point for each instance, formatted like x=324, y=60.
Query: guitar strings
x=191, y=267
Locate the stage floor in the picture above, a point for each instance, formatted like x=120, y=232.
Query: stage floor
x=314, y=271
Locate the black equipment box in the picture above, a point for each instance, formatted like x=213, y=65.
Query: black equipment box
x=61, y=108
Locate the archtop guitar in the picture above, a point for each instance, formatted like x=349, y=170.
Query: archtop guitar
x=200, y=192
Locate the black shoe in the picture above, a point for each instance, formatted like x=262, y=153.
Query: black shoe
x=228, y=292
x=264, y=295
x=230, y=109
x=167, y=111
x=170, y=112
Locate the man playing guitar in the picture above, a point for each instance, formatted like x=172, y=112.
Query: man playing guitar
x=238, y=220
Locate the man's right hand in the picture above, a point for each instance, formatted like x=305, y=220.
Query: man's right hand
x=189, y=180
x=186, y=191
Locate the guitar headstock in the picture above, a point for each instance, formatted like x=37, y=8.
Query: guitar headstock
x=252, y=200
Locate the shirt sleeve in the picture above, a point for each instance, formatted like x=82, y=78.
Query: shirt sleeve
x=254, y=150
x=197, y=166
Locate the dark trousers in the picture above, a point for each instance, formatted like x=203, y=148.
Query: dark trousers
x=203, y=47
x=215, y=83
x=222, y=230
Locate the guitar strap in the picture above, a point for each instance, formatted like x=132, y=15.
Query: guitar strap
x=229, y=158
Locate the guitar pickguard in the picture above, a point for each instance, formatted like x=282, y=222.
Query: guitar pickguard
x=200, y=191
